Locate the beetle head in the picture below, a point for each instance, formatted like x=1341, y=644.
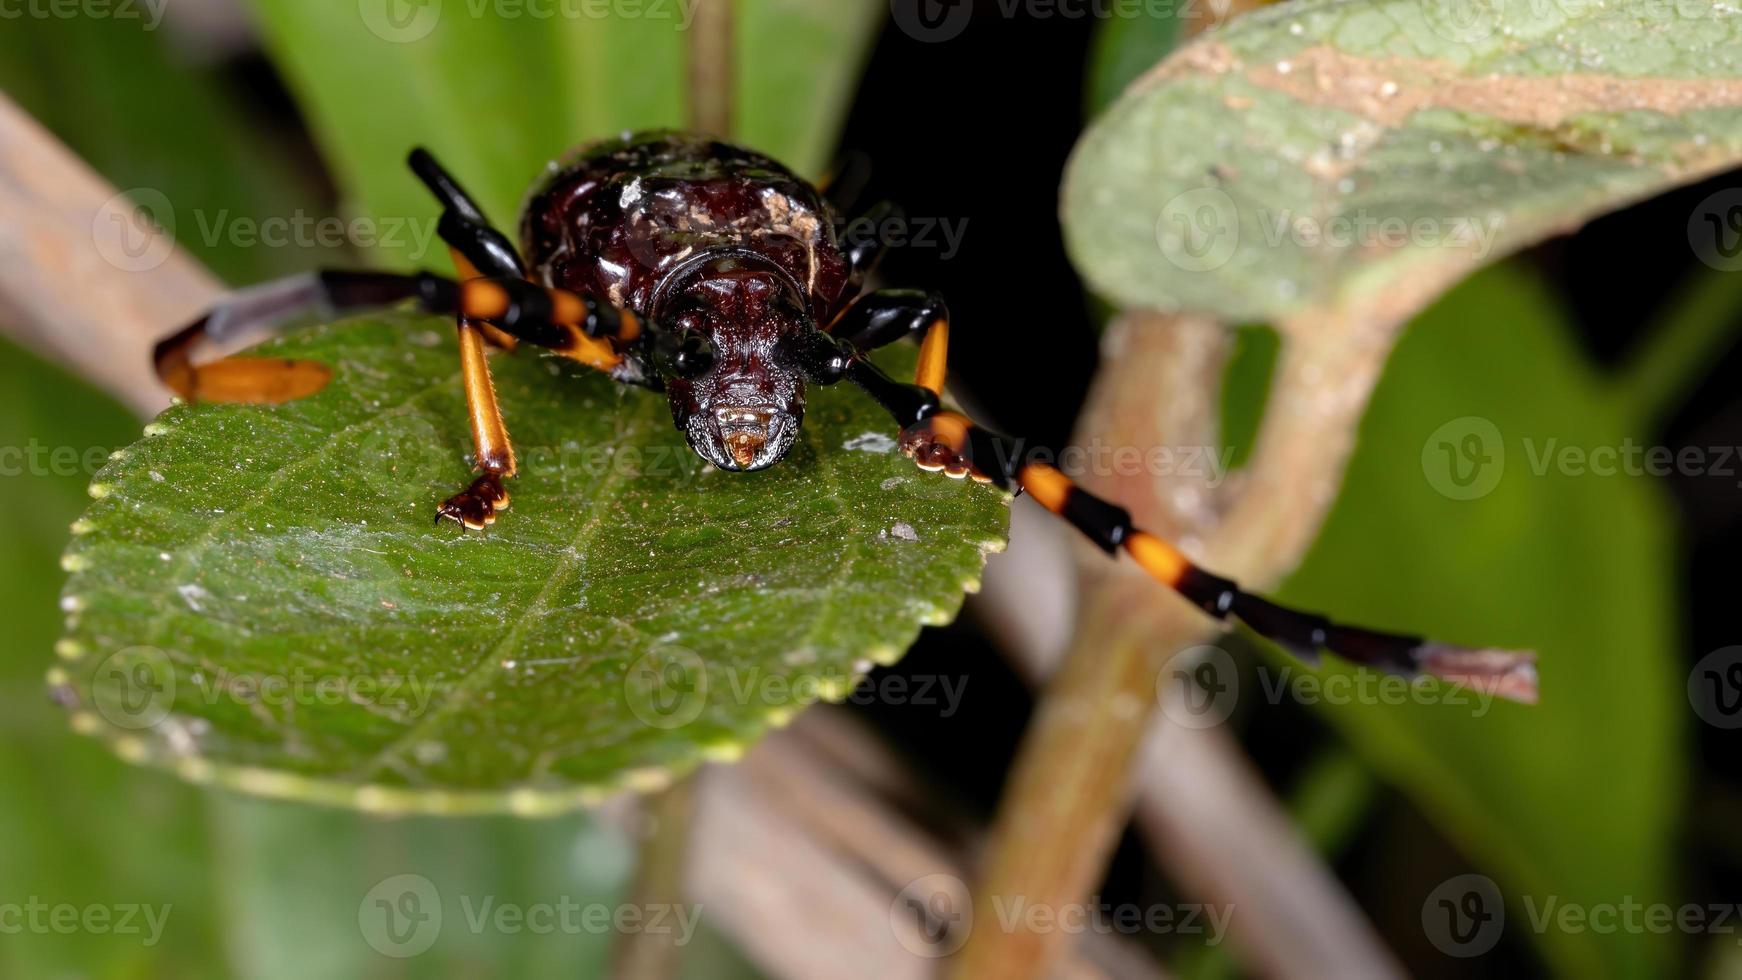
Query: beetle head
x=727, y=323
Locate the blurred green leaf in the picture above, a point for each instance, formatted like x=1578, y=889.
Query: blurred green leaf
x=496, y=97
x=632, y=614
x=139, y=112
x=478, y=897
x=1485, y=541
x=1361, y=155
x=1123, y=48
x=84, y=830
x=251, y=889
x=798, y=68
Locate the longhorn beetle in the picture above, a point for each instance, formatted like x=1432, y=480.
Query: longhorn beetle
x=710, y=272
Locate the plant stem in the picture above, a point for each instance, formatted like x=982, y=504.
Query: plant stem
x=658, y=884
x=1069, y=794
x=86, y=280
x=1681, y=347
x=712, y=75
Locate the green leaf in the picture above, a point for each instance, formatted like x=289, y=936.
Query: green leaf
x=98, y=833
x=473, y=896
x=242, y=897
x=1123, y=48
x=497, y=97
x=134, y=107
x=798, y=68
x=259, y=596
x=1577, y=797
x=1362, y=155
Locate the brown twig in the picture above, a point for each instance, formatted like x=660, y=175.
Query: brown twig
x=1071, y=782
x=84, y=278
x=662, y=824
x=711, y=76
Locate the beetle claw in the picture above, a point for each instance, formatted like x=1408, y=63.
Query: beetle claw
x=475, y=507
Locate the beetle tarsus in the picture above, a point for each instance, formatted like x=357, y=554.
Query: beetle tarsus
x=475, y=508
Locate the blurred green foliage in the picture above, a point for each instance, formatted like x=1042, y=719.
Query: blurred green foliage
x=259, y=889
x=144, y=116
x=1579, y=796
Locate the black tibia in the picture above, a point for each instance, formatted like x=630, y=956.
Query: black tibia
x=863, y=239
x=881, y=318
x=463, y=225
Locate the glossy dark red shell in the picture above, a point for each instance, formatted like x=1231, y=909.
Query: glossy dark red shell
x=614, y=218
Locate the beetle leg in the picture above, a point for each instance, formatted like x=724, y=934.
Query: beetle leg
x=567, y=323
x=949, y=441
x=463, y=225
x=477, y=506
x=864, y=242
x=880, y=318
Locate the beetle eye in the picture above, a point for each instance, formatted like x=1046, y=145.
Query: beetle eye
x=694, y=356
